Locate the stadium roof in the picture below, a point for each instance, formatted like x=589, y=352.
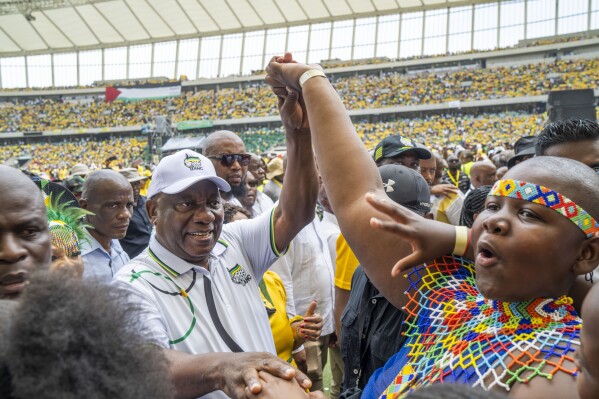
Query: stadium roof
x=30, y=27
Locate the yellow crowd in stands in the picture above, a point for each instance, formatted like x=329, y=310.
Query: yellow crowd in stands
x=438, y=131
x=358, y=92
x=435, y=131
x=56, y=159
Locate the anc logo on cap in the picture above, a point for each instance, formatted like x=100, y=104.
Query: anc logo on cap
x=238, y=275
x=193, y=163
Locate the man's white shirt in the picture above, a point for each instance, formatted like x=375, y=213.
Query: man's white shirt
x=170, y=292
x=329, y=230
x=263, y=204
x=308, y=274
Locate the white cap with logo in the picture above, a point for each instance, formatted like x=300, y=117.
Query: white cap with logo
x=181, y=170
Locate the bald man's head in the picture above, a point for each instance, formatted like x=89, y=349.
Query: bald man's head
x=101, y=178
x=24, y=237
x=232, y=168
x=219, y=140
x=109, y=196
x=483, y=173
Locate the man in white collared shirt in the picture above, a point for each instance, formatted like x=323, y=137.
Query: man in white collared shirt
x=100, y=264
x=196, y=286
x=109, y=196
x=308, y=275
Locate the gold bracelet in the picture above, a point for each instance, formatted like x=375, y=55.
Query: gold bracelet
x=461, y=240
x=309, y=74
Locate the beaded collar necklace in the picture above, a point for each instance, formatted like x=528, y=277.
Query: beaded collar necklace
x=455, y=335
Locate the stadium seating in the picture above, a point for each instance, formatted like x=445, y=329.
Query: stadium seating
x=358, y=92
x=435, y=131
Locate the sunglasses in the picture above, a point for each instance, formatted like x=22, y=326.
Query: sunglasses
x=229, y=159
x=253, y=183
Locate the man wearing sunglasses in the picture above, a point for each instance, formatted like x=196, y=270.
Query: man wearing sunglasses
x=226, y=150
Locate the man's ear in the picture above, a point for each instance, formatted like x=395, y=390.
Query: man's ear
x=152, y=209
x=588, y=258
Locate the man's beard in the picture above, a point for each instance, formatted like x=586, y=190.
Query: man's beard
x=240, y=190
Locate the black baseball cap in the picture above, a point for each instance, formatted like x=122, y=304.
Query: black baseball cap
x=406, y=187
x=392, y=146
x=524, y=146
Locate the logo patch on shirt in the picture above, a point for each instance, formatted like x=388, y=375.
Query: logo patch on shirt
x=238, y=275
x=193, y=163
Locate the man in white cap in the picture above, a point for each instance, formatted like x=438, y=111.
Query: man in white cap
x=196, y=285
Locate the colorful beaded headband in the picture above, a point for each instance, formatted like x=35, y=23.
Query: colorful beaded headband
x=549, y=198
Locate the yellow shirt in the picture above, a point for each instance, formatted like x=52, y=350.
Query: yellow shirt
x=143, y=190
x=274, y=297
x=466, y=168
x=62, y=173
x=346, y=264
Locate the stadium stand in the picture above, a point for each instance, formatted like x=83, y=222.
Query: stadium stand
x=436, y=131
x=363, y=91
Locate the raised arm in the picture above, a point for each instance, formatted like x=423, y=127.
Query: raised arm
x=349, y=173
x=297, y=202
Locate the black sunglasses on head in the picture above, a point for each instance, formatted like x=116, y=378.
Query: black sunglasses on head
x=229, y=159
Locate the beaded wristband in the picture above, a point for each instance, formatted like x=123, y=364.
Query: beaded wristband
x=461, y=240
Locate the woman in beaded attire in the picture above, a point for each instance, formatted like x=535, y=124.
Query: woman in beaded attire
x=501, y=322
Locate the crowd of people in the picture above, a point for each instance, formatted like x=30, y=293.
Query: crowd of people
x=419, y=257
x=56, y=160
x=386, y=89
x=485, y=302
x=434, y=131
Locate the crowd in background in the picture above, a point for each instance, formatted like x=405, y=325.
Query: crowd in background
x=434, y=131
x=157, y=234
x=386, y=89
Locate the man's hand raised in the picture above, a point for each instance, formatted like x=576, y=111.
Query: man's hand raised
x=291, y=108
x=285, y=72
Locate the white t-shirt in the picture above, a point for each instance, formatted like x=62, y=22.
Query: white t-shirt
x=328, y=229
x=263, y=204
x=173, y=306
x=308, y=274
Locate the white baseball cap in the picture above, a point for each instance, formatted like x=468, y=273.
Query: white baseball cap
x=181, y=170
